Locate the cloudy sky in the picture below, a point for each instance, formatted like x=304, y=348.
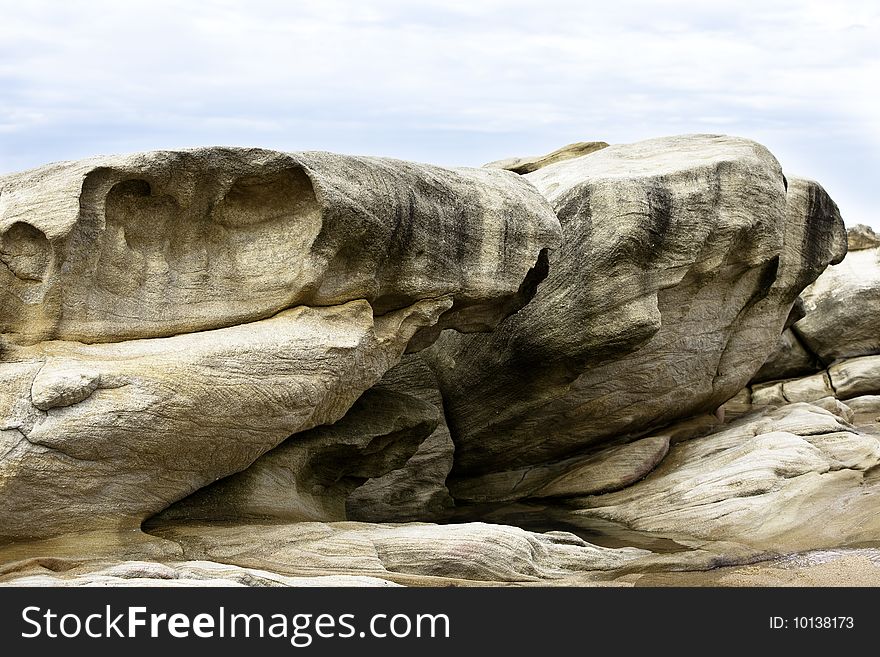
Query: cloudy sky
x=445, y=81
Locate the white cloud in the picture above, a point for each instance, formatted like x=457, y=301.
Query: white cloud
x=452, y=82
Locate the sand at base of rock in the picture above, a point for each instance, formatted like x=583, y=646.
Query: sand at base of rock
x=857, y=567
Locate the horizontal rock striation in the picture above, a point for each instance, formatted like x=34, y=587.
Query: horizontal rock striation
x=762, y=482
x=171, y=415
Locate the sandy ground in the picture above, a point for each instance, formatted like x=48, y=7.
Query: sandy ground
x=845, y=567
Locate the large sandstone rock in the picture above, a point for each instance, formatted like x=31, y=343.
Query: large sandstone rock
x=838, y=313
x=205, y=377
x=386, y=460
x=105, y=435
x=843, y=308
x=155, y=244
x=790, y=479
x=680, y=261
x=839, y=322
x=803, y=389
x=608, y=469
x=866, y=411
x=856, y=377
x=168, y=317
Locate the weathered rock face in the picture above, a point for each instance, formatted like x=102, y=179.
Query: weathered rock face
x=415, y=553
x=680, y=262
x=417, y=490
x=807, y=388
x=309, y=476
x=856, y=377
x=762, y=482
x=790, y=359
x=836, y=335
x=168, y=242
x=209, y=355
x=843, y=309
x=386, y=460
x=168, y=317
x=523, y=165
x=847, y=388
x=866, y=411
x=131, y=427
x=606, y=470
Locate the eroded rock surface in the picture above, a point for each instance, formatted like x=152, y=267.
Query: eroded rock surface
x=407, y=553
x=856, y=377
x=762, y=482
x=154, y=244
x=608, y=469
x=861, y=237
x=680, y=262
x=790, y=359
x=835, y=335
x=417, y=490
x=208, y=372
x=843, y=309
x=171, y=415
x=523, y=165
x=168, y=317
x=187, y=573
x=309, y=476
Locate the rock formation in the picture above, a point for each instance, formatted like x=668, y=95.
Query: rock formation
x=106, y=435
x=311, y=475
x=245, y=367
x=162, y=243
x=832, y=350
x=861, y=237
x=761, y=482
x=680, y=262
x=408, y=553
x=187, y=573
x=417, y=490
x=843, y=309
x=169, y=317
x=837, y=316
